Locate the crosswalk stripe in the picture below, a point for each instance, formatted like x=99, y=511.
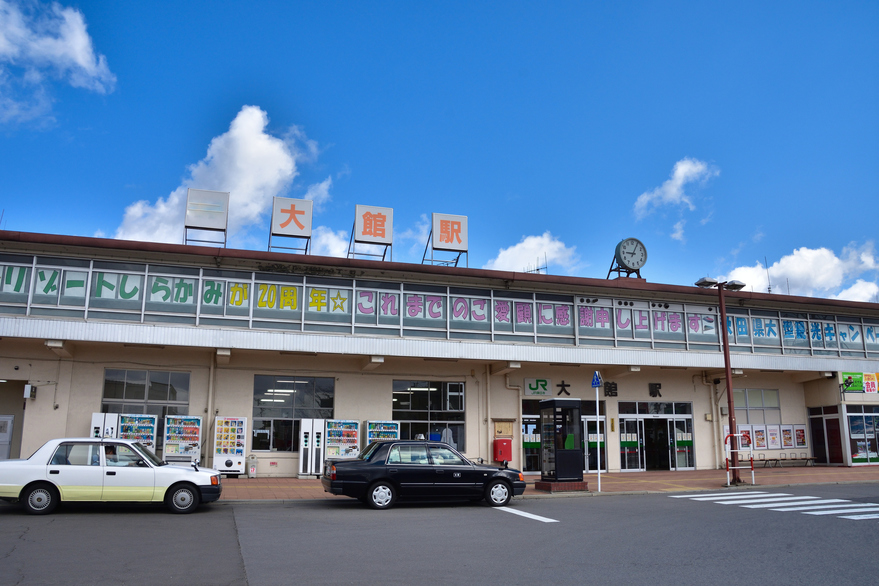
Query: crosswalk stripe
x=799, y=500
x=863, y=510
x=717, y=494
x=739, y=497
x=859, y=517
x=814, y=505
x=764, y=500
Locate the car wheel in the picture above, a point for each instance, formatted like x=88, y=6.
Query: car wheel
x=40, y=499
x=182, y=498
x=381, y=495
x=498, y=493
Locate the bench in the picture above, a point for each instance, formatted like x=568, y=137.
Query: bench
x=781, y=459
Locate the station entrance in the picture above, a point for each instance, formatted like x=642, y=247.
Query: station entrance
x=656, y=436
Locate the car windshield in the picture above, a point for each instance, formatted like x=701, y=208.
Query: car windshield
x=148, y=454
x=367, y=452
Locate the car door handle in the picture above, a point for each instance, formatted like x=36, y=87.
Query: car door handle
x=392, y=470
x=54, y=471
x=440, y=471
x=111, y=473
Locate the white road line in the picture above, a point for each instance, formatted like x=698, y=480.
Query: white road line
x=799, y=500
x=859, y=517
x=740, y=497
x=527, y=515
x=864, y=510
x=815, y=505
x=778, y=499
x=717, y=494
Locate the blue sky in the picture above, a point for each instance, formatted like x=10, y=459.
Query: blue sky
x=719, y=134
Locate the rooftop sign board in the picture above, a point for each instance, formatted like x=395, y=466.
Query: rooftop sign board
x=449, y=232
x=206, y=210
x=292, y=217
x=373, y=225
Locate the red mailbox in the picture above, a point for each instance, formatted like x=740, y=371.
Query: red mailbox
x=503, y=450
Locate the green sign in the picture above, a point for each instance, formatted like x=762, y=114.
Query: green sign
x=853, y=382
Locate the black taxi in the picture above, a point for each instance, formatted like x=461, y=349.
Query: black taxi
x=388, y=470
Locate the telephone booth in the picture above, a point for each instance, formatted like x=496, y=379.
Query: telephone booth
x=561, y=441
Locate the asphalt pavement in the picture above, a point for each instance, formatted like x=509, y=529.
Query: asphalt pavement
x=284, y=489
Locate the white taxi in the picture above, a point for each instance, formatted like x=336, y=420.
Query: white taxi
x=103, y=470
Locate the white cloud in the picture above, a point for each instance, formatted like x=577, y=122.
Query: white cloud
x=534, y=251
x=46, y=42
x=860, y=291
x=672, y=191
x=326, y=242
x=678, y=233
x=418, y=235
x=252, y=165
x=319, y=193
x=812, y=272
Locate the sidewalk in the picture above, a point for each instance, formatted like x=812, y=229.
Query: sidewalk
x=247, y=489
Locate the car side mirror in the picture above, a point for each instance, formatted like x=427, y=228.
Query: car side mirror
x=141, y=464
x=480, y=460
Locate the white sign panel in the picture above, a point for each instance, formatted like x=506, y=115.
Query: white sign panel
x=206, y=210
x=449, y=232
x=374, y=225
x=291, y=217
x=538, y=387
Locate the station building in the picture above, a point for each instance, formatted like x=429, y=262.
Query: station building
x=99, y=325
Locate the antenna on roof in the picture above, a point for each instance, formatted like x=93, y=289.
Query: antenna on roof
x=766, y=264
x=540, y=270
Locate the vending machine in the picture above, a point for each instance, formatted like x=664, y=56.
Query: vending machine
x=182, y=438
x=311, y=447
x=380, y=430
x=104, y=424
x=230, y=434
x=138, y=427
x=342, y=438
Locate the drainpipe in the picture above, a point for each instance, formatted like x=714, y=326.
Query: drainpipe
x=715, y=415
x=209, y=410
x=517, y=432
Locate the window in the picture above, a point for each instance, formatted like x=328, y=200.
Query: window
x=432, y=409
x=76, y=455
x=757, y=406
x=408, y=455
x=154, y=392
x=443, y=456
x=279, y=402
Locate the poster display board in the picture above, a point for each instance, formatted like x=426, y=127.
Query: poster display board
x=800, y=436
x=139, y=427
x=759, y=437
x=787, y=436
x=773, y=437
x=746, y=432
x=230, y=435
x=182, y=438
x=342, y=438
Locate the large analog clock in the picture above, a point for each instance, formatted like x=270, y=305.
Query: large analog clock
x=631, y=254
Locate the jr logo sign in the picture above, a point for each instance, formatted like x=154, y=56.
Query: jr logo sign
x=538, y=387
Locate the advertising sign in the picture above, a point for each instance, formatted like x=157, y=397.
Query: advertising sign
x=853, y=382
x=538, y=387
x=870, y=382
x=373, y=225
x=449, y=232
x=291, y=217
x=800, y=436
x=206, y=210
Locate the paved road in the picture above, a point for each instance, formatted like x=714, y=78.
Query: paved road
x=623, y=539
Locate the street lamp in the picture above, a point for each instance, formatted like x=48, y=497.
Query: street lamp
x=708, y=283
